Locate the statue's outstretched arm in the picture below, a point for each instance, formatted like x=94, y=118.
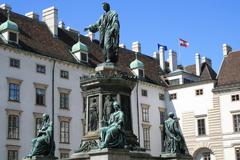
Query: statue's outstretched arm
x=94, y=27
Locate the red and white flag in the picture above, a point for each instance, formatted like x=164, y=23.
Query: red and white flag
x=183, y=43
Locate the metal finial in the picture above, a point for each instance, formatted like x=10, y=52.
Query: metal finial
x=136, y=55
x=79, y=37
x=8, y=14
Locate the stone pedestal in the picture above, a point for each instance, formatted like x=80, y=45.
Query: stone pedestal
x=108, y=81
x=104, y=154
x=105, y=66
x=112, y=154
x=169, y=156
x=40, y=158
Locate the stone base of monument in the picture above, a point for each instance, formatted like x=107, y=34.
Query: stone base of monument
x=112, y=154
x=41, y=158
x=169, y=156
x=105, y=66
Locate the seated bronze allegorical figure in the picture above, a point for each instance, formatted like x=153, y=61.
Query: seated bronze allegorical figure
x=113, y=135
x=43, y=144
x=173, y=138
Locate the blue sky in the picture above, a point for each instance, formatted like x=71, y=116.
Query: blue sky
x=206, y=24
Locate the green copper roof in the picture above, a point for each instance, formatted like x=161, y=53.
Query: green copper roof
x=10, y=25
x=79, y=47
x=136, y=64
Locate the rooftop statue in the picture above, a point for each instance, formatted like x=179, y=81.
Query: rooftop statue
x=108, y=27
x=43, y=144
x=113, y=135
x=173, y=139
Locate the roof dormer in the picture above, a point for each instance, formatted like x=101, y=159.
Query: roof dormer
x=80, y=51
x=9, y=30
x=137, y=67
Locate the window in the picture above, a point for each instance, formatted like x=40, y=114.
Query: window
x=236, y=122
x=201, y=127
x=199, y=92
x=64, y=132
x=206, y=156
x=141, y=73
x=38, y=125
x=13, y=127
x=64, y=74
x=144, y=92
x=146, y=138
x=14, y=63
x=162, y=117
x=235, y=97
x=64, y=100
x=64, y=155
x=237, y=151
x=173, y=96
x=162, y=137
x=174, y=82
x=84, y=57
x=14, y=92
x=13, y=36
x=161, y=96
x=145, y=114
x=186, y=81
x=40, y=96
x=12, y=155
x=41, y=68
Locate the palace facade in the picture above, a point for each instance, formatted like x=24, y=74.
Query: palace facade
x=41, y=64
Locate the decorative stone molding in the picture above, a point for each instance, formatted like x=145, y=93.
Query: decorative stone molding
x=40, y=85
x=64, y=118
x=146, y=125
x=12, y=147
x=145, y=106
x=147, y=84
x=64, y=90
x=201, y=116
x=13, y=112
x=37, y=114
x=64, y=150
x=235, y=111
x=161, y=109
x=14, y=80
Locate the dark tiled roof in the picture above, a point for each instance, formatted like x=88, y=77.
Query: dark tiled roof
x=191, y=68
x=36, y=37
x=151, y=65
x=230, y=70
x=207, y=73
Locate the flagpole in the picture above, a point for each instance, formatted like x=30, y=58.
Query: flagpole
x=179, y=59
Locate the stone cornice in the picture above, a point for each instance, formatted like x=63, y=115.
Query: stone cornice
x=227, y=88
x=190, y=84
x=34, y=54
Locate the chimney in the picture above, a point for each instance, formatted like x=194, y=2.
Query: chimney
x=207, y=60
x=6, y=6
x=91, y=35
x=61, y=24
x=172, y=60
x=50, y=17
x=198, y=64
x=122, y=45
x=136, y=47
x=226, y=49
x=155, y=55
x=32, y=15
x=162, y=58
